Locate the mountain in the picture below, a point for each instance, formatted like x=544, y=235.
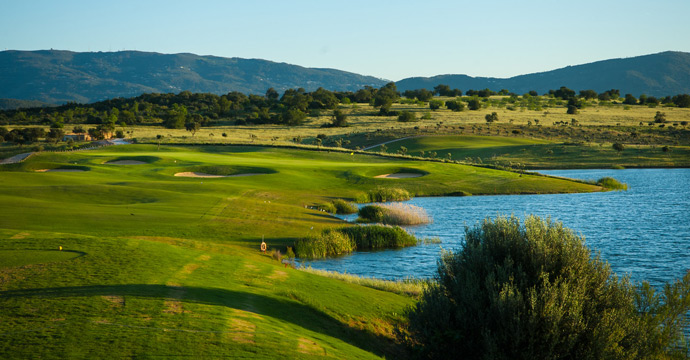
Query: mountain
x=57, y=77
x=11, y=104
x=662, y=74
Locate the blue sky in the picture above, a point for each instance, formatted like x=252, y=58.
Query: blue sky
x=387, y=39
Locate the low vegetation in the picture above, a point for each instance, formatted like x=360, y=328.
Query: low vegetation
x=410, y=287
x=611, y=184
x=393, y=214
x=535, y=291
x=343, y=207
x=327, y=243
x=384, y=194
x=379, y=237
x=333, y=242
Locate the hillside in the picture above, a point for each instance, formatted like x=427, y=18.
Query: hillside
x=661, y=74
x=61, y=76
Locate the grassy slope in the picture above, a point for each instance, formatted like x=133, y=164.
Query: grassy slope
x=170, y=265
x=542, y=154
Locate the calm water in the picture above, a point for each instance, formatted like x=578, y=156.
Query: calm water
x=643, y=232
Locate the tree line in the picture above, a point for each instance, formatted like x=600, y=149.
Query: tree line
x=191, y=111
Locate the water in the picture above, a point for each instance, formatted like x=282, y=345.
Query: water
x=643, y=232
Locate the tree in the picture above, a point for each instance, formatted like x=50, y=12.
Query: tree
x=588, y=94
x=618, y=147
x=339, y=119
x=564, y=93
x=629, y=100
x=455, y=105
x=534, y=291
x=441, y=90
x=682, y=100
x=192, y=126
x=491, y=117
x=474, y=104
x=435, y=104
x=386, y=95
x=660, y=117
x=294, y=117
x=407, y=116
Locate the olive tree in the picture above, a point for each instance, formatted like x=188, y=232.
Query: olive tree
x=534, y=291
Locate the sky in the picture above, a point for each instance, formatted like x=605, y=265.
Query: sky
x=387, y=39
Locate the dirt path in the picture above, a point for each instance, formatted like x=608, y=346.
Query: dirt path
x=15, y=159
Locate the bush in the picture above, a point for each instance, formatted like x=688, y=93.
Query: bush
x=394, y=214
x=379, y=236
x=611, y=183
x=534, y=291
x=327, y=207
x=407, y=116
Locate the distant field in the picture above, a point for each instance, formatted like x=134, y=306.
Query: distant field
x=541, y=154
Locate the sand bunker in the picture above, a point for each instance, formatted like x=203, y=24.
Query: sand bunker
x=126, y=162
x=60, y=170
x=399, y=176
x=203, y=175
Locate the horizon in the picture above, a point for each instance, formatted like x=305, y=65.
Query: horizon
x=391, y=42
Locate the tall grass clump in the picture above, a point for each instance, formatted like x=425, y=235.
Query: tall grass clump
x=394, y=214
x=611, y=183
x=327, y=243
x=344, y=207
x=378, y=236
x=534, y=291
x=384, y=194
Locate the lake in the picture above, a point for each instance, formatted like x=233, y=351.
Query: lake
x=643, y=232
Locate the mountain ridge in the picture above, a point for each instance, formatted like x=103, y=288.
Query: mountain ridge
x=59, y=76
x=660, y=74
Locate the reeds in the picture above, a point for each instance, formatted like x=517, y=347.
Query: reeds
x=394, y=214
x=333, y=242
x=328, y=243
x=383, y=194
x=379, y=236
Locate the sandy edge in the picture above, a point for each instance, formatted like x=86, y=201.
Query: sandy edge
x=125, y=162
x=203, y=175
x=399, y=176
x=59, y=170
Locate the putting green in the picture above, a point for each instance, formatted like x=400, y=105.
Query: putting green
x=14, y=258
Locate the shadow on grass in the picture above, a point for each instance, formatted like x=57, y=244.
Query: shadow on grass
x=306, y=316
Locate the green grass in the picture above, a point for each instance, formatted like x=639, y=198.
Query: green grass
x=171, y=265
x=13, y=258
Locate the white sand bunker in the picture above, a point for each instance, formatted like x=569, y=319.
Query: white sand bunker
x=60, y=170
x=204, y=175
x=126, y=162
x=399, y=176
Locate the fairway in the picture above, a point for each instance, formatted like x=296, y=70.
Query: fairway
x=156, y=264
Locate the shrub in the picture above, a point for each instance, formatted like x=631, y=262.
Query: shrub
x=611, y=183
x=379, y=236
x=394, y=214
x=276, y=255
x=534, y=291
x=407, y=116
x=343, y=207
x=328, y=243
